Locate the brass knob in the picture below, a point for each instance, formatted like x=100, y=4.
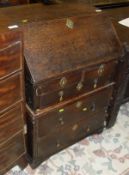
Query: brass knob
x=24, y=20
x=61, y=110
x=101, y=69
x=95, y=83
x=79, y=86
x=58, y=144
x=37, y=110
x=78, y=104
x=63, y=82
x=61, y=93
x=88, y=129
x=74, y=128
x=84, y=109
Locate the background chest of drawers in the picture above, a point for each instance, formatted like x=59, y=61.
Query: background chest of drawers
x=12, y=145
x=118, y=14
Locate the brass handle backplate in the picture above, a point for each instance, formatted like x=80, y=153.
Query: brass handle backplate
x=79, y=86
x=61, y=120
x=101, y=70
x=63, y=82
x=79, y=104
x=70, y=23
x=75, y=127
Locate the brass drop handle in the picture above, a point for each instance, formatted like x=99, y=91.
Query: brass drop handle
x=101, y=70
x=79, y=86
x=61, y=120
x=58, y=144
x=75, y=127
x=70, y=23
x=95, y=83
x=61, y=93
x=88, y=129
x=79, y=104
x=63, y=82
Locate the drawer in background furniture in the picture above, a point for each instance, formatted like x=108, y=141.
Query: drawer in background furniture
x=11, y=151
x=11, y=122
x=83, y=108
x=10, y=53
x=21, y=162
x=11, y=91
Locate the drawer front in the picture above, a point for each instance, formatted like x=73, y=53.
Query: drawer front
x=84, y=108
x=10, y=54
x=69, y=135
x=11, y=151
x=10, y=91
x=85, y=81
x=126, y=95
x=11, y=122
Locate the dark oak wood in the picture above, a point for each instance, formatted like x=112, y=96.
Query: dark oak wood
x=117, y=15
x=122, y=74
x=72, y=73
x=40, y=69
x=59, y=116
x=82, y=38
x=63, y=125
x=74, y=49
x=48, y=92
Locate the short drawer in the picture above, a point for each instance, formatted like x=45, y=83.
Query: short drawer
x=10, y=53
x=59, y=90
x=68, y=135
x=11, y=122
x=10, y=91
x=11, y=151
x=83, y=108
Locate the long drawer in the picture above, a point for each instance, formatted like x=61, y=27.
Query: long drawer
x=11, y=151
x=11, y=122
x=72, y=84
x=10, y=53
x=83, y=108
x=11, y=91
x=67, y=136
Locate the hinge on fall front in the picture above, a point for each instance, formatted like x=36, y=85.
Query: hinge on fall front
x=25, y=129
